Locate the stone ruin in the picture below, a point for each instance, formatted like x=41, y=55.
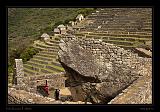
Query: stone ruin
x=100, y=70
x=96, y=71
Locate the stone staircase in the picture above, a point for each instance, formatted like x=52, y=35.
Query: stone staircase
x=45, y=61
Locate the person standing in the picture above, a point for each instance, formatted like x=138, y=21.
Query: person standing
x=57, y=94
x=46, y=89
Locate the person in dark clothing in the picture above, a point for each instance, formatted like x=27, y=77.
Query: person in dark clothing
x=57, y=94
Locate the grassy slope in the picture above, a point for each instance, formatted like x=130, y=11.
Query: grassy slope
x=27, y=24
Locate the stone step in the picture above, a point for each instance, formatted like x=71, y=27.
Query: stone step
x=52, y=44
x=47, y=55
x=35, y=64
x=55, y=68
x=29, y=72
x=56, y=63
x=39, y=48
x=49, y=68
x=52, y=50
x=103, y=33
x=46, y=71
x=39, y=57
x=38, y=61
x=46, y=46
x=118, y=38
x=116, y=35
x=119, y=42
x=31, y=67
x=54, y=41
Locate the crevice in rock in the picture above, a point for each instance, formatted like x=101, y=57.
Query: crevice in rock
x=75, y=78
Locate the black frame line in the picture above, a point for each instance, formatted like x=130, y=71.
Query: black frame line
x=138, y=106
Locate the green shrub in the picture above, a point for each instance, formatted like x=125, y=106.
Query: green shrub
x=10, y=69
x=58, y=23
x=28, y=53
x=68, y=20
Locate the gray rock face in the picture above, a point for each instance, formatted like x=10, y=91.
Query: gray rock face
x=100, y=70
x=71, y=52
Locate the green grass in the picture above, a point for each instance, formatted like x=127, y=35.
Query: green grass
x=57, y=67
x=47, y=55
x=43, y=58
x=51, y=65
x=30, y=23
x=29, y=71
x=43, y=64
x=43, y=45
x=38, y=61
x=35, y=64
x=42, y=70
x=31, y=67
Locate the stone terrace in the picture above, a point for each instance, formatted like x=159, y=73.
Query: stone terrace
x=125, y=27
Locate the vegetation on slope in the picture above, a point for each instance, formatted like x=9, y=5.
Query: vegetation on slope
x=27, y=24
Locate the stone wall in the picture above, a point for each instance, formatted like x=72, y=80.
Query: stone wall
x=53, y=81
x=23, y=97
x=114, y=68
x=19, y=72
x=109, y=56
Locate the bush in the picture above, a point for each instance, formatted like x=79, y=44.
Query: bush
x=68, y=20
x=58, y=23
x=10, y=69
x=28, y=53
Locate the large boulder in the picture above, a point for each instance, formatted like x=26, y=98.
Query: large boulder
x=100, y=71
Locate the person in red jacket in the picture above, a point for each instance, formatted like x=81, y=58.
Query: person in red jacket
x=46, y=89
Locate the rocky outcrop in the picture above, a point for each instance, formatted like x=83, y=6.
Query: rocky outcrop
x=99, y=71
x=140, y=92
